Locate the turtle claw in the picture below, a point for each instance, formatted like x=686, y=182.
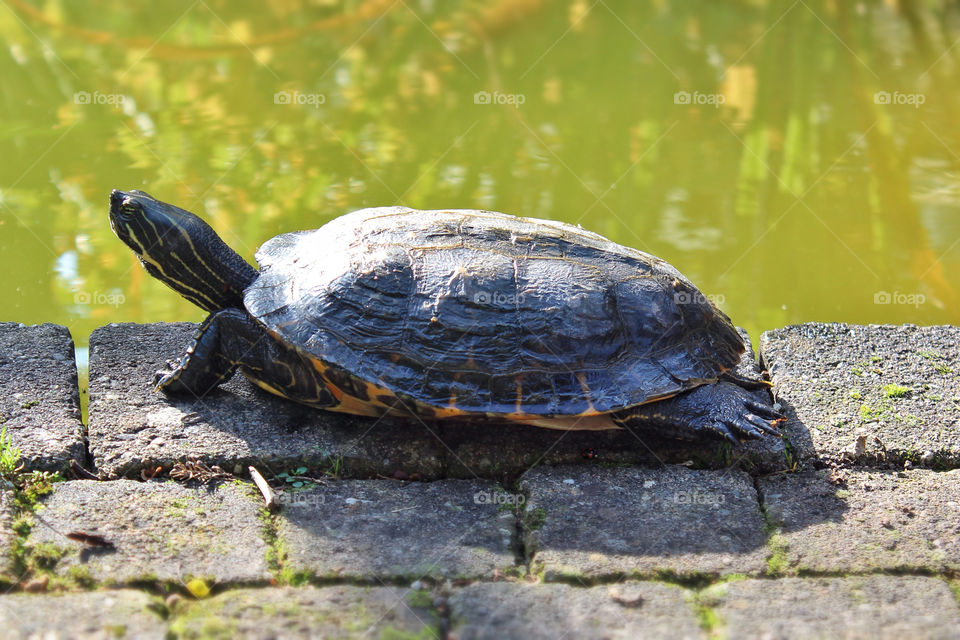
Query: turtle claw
x=746, y=427
x=163, y=377
x=764, y=424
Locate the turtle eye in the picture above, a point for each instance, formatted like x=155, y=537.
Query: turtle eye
x=130, y=208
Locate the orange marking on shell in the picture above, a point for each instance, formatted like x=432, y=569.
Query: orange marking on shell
x=335, y=390
x=448, y=412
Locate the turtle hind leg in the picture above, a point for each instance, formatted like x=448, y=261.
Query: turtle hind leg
x=229, y=339
x=721, y=410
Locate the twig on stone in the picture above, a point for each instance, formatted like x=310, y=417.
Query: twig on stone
x=269, y=497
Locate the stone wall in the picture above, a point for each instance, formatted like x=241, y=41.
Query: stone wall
x=849, y=526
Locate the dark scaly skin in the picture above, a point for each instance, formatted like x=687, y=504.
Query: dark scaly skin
x=229, y=339
x=722, y=410
x=681, y=343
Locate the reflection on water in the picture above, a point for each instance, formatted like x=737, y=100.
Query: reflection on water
x=799, y=161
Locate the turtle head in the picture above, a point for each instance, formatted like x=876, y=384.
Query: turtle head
x=181, y=250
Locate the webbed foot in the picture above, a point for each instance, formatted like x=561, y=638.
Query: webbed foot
x=721, y=410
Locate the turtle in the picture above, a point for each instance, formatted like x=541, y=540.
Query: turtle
x=464, y=315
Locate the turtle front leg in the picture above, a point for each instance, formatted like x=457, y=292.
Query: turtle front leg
x=721, y=410
x=229, y=339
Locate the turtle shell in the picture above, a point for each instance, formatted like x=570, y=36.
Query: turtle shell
x=489, y=313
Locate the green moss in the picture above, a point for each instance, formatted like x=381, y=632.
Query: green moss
x=857, y=371
x=725, y=454
x=28, y=488
x=79, y=577
x=45, y=555
x=777, y=562
x=420, y=598
x=868, y=413
x=842, y=494
x=907, y=418
x=204, y=625
x=277, y=553
x=707, y=617
x=895, y=391
x=875, y=358
x=732, y=577
x=29, y=404
x=514, y=571
x=392, y=633
x=533, y=519
x=934, y=358
x=955, y=587
x=855, y=394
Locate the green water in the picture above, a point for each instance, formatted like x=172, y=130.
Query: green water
x=798, y=161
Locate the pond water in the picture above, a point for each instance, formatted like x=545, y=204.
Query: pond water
x=798, y=161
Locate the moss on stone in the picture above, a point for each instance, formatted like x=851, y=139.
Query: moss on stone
x=777, y=562
x=533, y=519
x=893, y=390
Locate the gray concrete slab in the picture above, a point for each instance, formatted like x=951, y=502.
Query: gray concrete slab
x=132, y=427
x=97, y=615
x=308, y=612
x=370, y=529
x=607, y=522
x=897, y=386
x=159, y=531
x=492, y=611
x=875, y=520
x=39, y=396
x=857, y=607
